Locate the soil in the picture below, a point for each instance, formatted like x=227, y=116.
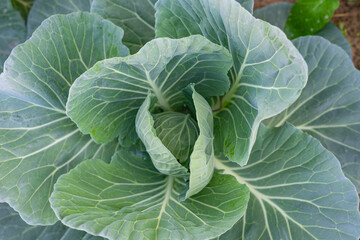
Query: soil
x=346, y=17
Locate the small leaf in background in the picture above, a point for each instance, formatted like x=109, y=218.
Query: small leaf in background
x=12, y=30
x=277, y=14
x=136, y=17
x=23, y=6
x=43, y=9
x=309, y=16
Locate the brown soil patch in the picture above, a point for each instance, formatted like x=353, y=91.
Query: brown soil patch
x=346, y=17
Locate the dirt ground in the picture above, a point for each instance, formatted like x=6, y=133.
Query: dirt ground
x=346, y=17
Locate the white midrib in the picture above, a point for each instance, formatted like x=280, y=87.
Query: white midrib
x=162, y=101
x=168, y=192
x=261, y=197
x=235, y=86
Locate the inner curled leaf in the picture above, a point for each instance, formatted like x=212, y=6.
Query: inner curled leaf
x=178, y=132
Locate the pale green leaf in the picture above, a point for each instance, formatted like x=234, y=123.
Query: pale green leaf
x=104, y=100
x=42, y=9
x=12, y=227
x=297, y=190
x=129, y=199
x=268, y=72
x=162, y=158
x=277, y=14
x=136, y=17
x=12, y=30
x=202, y=157
x=38, y=142
x=329, y=106
x=178, y=132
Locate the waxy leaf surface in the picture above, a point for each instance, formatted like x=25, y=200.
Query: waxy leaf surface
x=136, y=17
x=12, y=227
x=329, y=106
x=202, y=157
x=178, y=132
x=297, y=190
x=268, y=72
x=162, y=158
x=130, y=199
x=104, y=100
x=38, y=142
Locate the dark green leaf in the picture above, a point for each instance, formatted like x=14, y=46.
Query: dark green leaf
x=309, y=16
x=23, y=6
x=12, y=30
x=38, y=142
x=277, y=14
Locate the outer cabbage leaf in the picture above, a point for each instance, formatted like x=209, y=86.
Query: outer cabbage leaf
x=268, y=72
x=12, y=227
x=12, y=30
x=104, y=100
x=38, y=142
x=329, y=106
x=297, y=190
x=130, y=199
x=43, y=9
x=277, y=14
x=162, y=158
x=136, y=17
x=202, y=157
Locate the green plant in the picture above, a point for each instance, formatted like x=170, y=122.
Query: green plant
x=309, y=16
x=191, y=123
